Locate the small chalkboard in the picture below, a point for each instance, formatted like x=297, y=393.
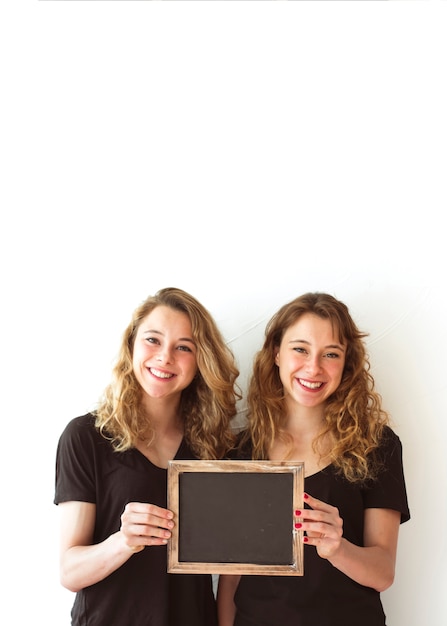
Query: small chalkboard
x=235, y=517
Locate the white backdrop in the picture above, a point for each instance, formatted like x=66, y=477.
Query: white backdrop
x=246, y=152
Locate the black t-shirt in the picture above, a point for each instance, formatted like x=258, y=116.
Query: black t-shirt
x=324, y=596
x=140, y=592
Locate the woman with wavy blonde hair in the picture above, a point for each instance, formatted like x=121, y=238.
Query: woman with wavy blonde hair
x=207, y=405
x=312, y=398
x=173, y=395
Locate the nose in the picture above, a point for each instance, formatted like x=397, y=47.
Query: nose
x=165, y=354
x=313, y=365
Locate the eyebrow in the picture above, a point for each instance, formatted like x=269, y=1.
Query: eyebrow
x=158, y=332
x=335, y=346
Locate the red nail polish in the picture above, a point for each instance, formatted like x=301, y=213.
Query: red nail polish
x=298, y=513
x=305, y=539
x=298, y=525
x=306, y=496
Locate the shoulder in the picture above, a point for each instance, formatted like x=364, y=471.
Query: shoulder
x=80, y=431
x=390, y=443
x=388, y=452
x=82, y=424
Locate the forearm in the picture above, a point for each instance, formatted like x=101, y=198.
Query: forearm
x=82, y=566
x=370, y=566
x=226, y=609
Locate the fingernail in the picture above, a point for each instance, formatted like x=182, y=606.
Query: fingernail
x=305, y=539
x=298, y=513
x=298, y=525
x=306, y=496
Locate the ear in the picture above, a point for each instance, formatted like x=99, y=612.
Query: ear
x=277, y=358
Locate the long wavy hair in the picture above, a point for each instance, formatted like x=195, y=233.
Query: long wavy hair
x=354, y=417
x=207, y=405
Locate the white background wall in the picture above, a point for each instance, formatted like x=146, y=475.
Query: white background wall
x=246, y=152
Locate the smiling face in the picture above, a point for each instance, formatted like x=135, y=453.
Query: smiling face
x=310, y=360
x=164, y=353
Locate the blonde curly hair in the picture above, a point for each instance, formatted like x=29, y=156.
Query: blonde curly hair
x=207, y=405
x=354, y=417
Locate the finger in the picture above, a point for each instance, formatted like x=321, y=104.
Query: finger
x=148, y=508
x=149, y=530
x=148, y=515
x=314, y=503
x=314, y=534
x=137, y=536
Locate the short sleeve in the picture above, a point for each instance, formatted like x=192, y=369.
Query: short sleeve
x=75, y=460
x=389, y=490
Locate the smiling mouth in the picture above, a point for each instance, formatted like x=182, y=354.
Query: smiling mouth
x=309, y=385
x=160, y=374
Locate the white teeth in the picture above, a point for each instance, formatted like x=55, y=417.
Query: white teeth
x=305, y=383
x=161, y=374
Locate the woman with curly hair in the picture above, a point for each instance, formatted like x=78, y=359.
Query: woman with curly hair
x=312, y=398
x=173, y=395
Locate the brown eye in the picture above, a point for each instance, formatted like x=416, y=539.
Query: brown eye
x=184, y=348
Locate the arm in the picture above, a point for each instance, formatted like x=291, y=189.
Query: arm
x=226, y=609
x=82, y=563
x=371, y=565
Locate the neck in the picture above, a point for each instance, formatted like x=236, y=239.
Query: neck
x=163, y=415
x=303, y=420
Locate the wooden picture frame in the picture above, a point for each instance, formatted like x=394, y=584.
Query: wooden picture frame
x=235, y=517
